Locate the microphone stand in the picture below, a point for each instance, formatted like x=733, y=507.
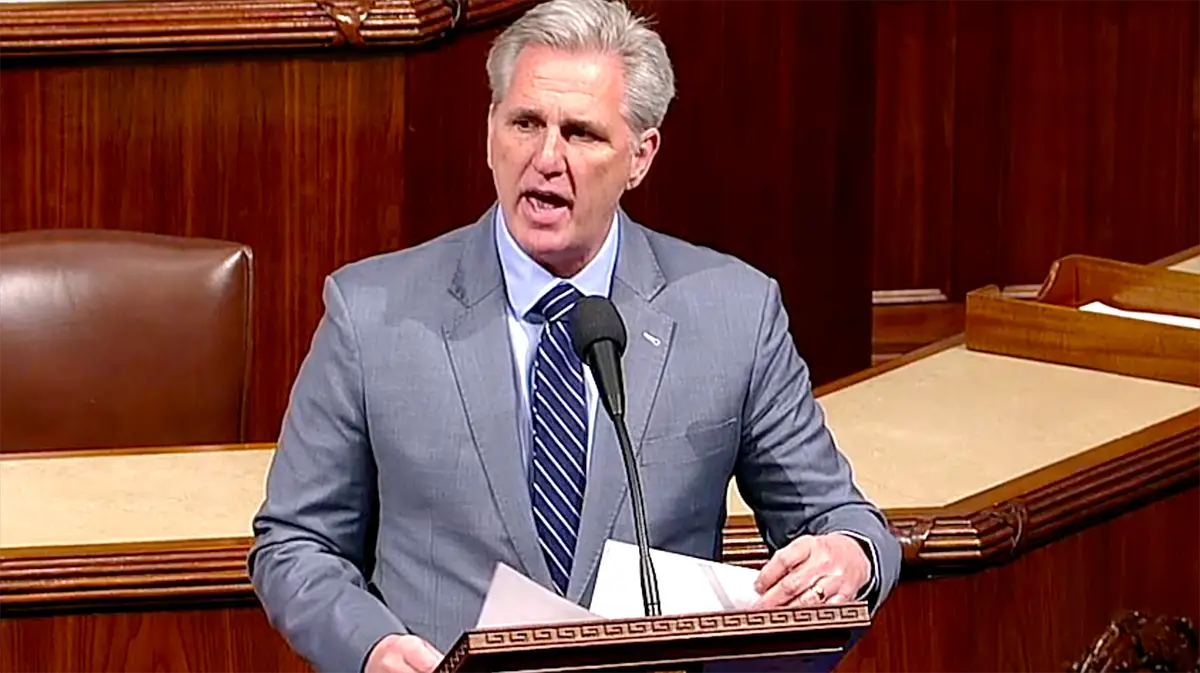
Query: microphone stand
x=649, y=581
x=603, y=342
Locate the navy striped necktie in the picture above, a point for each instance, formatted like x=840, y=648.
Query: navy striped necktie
x=559, y=404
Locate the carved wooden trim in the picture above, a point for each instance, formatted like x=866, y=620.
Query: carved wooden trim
x=925, y=295
x=140, y=26
x=646, y=642
x=1137, y=642
x=215, y=570
x=666, y=628
x=742, y=544
x=938, y=543
x=988, y=529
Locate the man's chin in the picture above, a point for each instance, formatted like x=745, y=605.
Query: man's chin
x=544, y=240
x=553, y=250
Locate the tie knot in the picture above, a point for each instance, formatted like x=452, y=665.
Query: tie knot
x=556, y=303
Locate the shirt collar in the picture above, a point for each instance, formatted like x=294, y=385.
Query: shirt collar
x=525, y=281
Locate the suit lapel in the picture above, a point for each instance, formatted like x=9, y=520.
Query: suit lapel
x=477, y=341
x=637, y=280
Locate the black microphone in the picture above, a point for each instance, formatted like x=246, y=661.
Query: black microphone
x=598, y=334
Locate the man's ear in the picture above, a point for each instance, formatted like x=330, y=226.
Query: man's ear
x=643, y=155
x=490, y=129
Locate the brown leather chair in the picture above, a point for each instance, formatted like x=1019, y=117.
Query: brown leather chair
x=122, y=339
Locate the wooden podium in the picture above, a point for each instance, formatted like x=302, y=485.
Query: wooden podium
x=673, y=643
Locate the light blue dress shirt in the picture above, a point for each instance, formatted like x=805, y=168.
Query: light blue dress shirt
x=525, y=281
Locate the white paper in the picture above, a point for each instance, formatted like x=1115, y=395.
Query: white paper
x=685, y=584
x=515, y=600
x=1182, y=321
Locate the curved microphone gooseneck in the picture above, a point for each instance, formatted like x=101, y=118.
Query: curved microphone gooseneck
x=598, y=335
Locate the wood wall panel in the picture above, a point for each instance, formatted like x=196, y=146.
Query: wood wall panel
x=1095, y=121
x=766, y=154
x=1194, y=120
x=980, y=131
x=914, y=142
x=445, y=168
x=1041, y=611
x=318, y=158
x=232, y=639
x=1012, y=134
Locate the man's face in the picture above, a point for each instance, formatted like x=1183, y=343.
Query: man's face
x=561, y=154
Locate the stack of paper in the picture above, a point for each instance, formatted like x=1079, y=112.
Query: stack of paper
x=685, y=585
x=1167, y=319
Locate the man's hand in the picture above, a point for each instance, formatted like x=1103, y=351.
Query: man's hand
x=812, y=570
x=402, y=654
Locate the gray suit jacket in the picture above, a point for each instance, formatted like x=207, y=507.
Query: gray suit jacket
x=399, y=482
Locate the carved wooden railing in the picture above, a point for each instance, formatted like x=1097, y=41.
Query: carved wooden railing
x=54, y=29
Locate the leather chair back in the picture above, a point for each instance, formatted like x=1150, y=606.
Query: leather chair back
x=122, y=339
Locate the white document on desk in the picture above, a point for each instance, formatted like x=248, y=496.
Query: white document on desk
x=685, y=584
x=1165, y=318
x=515, y=600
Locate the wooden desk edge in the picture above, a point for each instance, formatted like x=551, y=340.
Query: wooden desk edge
x=989, y=528
x=1181, y=256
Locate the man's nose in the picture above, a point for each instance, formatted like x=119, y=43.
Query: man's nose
x=550, y=158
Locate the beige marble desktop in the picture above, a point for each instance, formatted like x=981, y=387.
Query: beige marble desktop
x=130, y=498
x=923, y=435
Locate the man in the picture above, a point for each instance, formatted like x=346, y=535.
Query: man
x=442, y=424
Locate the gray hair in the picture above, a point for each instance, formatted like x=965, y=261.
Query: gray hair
x=600, y=26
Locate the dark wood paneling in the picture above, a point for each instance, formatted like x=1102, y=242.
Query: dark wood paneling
x=1012, y=134
x=229, y=639
x=766, y=155
x=1102, y=139
x=1041, y=611
x=1194, y=120
x=904, y=327
x=981, y=137
x=914, y=142
x=445, y=158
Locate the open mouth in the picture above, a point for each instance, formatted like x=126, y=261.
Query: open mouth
x=545, y=202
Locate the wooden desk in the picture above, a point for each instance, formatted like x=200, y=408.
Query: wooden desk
x=1032, y=500
x=1101, y=513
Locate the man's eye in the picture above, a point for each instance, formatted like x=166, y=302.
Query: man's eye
x=580, y=134
x=524, y=124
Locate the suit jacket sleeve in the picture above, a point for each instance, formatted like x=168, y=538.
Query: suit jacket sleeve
x=789, y=470
x=314, y=531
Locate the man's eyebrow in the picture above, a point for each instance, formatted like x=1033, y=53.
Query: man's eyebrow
x=574, y=123
x=523, y=112
x=586, y=125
